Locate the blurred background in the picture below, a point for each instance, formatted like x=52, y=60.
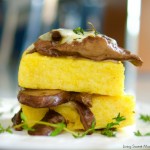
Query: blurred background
x=127, y=21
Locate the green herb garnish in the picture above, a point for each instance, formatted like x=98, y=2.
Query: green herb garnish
x=58, y=127
x=23, y=117
x=147, y=134
x=2, y=129
x=61, y=126
x=78, y=30
x=24, y=124
x=110, y=129
x=138, y=133
x=93, y=28
x=58, y=130
x=145, y=118
x=90, y=130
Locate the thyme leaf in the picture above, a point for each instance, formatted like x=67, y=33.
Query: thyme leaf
x=138, y=133
x=147, y=134
x=90, y=130
x=110, y=129
x=25, y=125
x=8, y=129
x=93, y=28
x=58, y=130
x=78, y=30
x=23, y=117
x=145, y=118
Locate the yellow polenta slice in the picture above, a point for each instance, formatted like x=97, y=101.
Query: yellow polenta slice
x=104, y=109
x=33, y=114
x=71, y=74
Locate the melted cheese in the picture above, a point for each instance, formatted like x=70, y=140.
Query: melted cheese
x=68, y=35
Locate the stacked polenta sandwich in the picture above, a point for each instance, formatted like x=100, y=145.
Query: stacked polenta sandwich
x=75, y=78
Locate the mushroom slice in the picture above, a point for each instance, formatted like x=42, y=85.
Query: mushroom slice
x=43, y=98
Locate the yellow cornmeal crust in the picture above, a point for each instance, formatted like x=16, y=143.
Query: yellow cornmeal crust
x=71, y=74
x=104, y=109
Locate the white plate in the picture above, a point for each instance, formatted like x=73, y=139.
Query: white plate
x=125, y=138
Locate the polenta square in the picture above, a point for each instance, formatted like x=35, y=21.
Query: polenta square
x=71, y=74
x=104, y=109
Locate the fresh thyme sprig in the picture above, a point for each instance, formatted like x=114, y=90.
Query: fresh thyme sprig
x=93, y=28
x=24, y=124
x=2, y=129
x=145, y=118
x=58, y=127
x=90, y=130
x=108, y=131
x=110, y=127
x=138, y=133
x=78, y=30
x=58, y=130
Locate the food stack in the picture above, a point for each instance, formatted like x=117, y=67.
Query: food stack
x=75, y=77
